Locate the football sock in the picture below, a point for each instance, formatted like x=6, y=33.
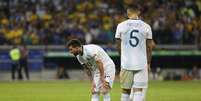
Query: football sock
x=95, y=97
x=124, y=97
x=137, y=96
x=106, y=97
x=131, y=95
x=144, y=93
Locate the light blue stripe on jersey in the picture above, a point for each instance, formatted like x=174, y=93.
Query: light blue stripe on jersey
x=140, y=84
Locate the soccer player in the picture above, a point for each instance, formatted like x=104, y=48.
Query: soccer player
x=99, y=67
x=134, y=43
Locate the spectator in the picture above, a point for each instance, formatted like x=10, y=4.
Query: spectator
x=23, y=61
x=15, y=57
x=185, y=76
x=62, y=73
x=50, y=22
x=195, y=73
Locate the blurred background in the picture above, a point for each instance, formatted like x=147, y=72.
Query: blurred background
x=40, y=29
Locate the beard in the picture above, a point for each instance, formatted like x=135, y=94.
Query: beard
x=76, y=53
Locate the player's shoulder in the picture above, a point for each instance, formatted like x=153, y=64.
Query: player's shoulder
x=145, y=24
x=91, y=47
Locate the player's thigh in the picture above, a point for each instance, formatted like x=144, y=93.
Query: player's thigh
x=109, y=78
x=126, y=78
x=141, y=79
x=110, y=75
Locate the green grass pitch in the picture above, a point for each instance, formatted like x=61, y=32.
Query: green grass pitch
x=80, y=91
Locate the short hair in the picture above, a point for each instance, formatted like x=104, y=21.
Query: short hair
x=133, y=8
x=74, y=43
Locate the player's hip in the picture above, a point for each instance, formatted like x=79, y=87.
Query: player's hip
x=134, y=78
x=129, y=66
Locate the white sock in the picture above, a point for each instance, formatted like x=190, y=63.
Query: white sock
x=131, y=95
x=106, y=97
x=144, y=91
x=124, y=97
x=95, y=97
x=137, y=96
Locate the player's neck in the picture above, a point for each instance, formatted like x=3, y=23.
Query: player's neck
x=81, y=50
x=134, y=18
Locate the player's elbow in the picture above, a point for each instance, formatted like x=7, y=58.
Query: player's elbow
x=99, y=62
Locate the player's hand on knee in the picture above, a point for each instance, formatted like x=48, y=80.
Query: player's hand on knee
x=106, y=85
x=105, y=88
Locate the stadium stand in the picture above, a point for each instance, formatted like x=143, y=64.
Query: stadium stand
x=176, y=26
x=51, y=22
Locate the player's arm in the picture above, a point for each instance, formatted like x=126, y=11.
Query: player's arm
x=118, y=38
x=149, y=45
x=153, y=44
x=105, y=87
x=88, y=72
x=101, y=69
x=118, y=45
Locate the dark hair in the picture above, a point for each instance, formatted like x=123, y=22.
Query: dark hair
x=133, y=8
x=74, y=43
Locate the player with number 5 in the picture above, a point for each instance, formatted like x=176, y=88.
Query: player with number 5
x=134, y=43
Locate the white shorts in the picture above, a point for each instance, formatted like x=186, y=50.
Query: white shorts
x=134, y=79
x=109, y=77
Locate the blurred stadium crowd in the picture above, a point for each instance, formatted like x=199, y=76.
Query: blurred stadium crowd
x=52, y=22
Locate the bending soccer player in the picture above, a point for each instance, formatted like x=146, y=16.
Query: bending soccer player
x=98, y=65
x=134, y=42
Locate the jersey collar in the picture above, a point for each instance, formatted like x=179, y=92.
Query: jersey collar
x=134, y=19
x=82, y=51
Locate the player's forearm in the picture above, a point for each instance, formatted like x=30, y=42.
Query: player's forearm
x=118, y=45
x=149, y=55
x=101, y=69
x=149, y=51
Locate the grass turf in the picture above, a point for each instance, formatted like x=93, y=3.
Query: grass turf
x=80, y=91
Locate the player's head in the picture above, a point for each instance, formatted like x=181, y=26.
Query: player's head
x=74, y=46
x=133, y=12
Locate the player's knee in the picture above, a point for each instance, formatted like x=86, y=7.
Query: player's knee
x=105, y=91
x=126, y=91
x=95, y=93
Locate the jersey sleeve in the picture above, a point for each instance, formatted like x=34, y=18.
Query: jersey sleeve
x=94, y=53
x=118, y=32
x=97, y=56
x=149, y=32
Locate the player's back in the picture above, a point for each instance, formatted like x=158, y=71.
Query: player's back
x=97, y=52
x=133, y=34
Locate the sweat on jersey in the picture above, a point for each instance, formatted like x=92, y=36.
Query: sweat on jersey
x=133, y=35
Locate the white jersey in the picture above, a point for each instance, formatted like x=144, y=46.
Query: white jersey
x=133, y=35
x=92, y=53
